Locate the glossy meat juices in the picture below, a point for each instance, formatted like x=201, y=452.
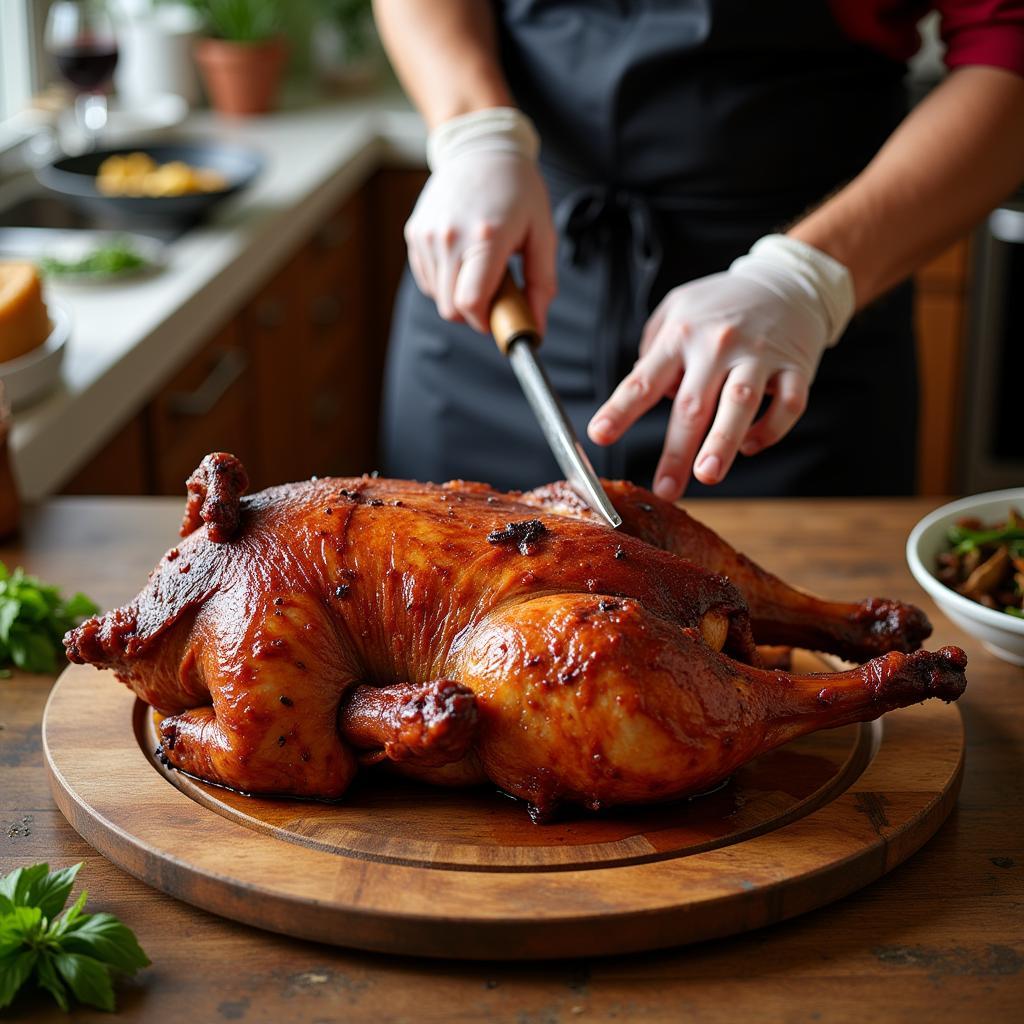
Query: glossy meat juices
x=464, y=636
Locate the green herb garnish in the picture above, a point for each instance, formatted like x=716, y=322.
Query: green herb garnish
x=75, y=950
x=33, y=621
x=964, y=539
x=115, y=257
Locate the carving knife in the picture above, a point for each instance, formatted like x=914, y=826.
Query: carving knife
x=516, y=335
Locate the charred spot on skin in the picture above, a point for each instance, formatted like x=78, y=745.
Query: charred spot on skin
x=341, y=590
x=281, y=741
x=301, y=666
x=375, y=502
x=286, y=701
x=350, y=495
x=607, y=605
x=524, y=534
x=397, y=503
x=328, y=511
x=620, y=552
x=305, y=755
x=279, y=601
x=161, y=755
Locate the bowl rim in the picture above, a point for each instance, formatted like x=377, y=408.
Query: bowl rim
x=935, y=587
x=60, y=329
x=83, y=185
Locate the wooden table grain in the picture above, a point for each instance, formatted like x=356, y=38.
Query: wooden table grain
x=941, y=936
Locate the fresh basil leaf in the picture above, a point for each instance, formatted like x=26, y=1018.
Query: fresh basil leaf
x=24, y=922
x=87, y=978
x=47, y=978
x=14, y=972
x=65, y=921
x=104, y=937
x=33, y=621
x=51, y=892
x=12, y=934
x=18, y=884
x=9, y=609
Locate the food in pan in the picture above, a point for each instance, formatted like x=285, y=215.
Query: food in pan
x=24, y=321
x=138, y=174
x=462, y=636
x=985, y=562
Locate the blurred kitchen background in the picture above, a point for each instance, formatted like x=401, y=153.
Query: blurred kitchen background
x=253, y=316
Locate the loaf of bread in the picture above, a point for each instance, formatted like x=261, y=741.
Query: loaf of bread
x=24, y=322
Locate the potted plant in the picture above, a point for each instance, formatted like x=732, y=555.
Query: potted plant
x=242, y=55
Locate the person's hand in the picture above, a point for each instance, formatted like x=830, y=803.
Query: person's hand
x=484, y=201
x=718, y=345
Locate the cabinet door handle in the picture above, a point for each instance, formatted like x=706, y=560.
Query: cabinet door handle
x=229, y=367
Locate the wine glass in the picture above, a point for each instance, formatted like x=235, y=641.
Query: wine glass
x=80, y=36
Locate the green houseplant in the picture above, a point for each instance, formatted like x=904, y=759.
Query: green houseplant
x=242, y=55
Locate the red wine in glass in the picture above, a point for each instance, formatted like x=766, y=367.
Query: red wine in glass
x=87, y=66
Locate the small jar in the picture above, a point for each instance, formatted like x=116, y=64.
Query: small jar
x=10, y=507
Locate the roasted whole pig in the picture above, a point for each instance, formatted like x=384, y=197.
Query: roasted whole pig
x=463, y=635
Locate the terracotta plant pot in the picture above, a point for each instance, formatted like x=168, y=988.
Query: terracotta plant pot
x=241, y=78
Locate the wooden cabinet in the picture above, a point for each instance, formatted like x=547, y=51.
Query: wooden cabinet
x=940, y=314
x=290, y=384
x=121, y=466
x=201, y=409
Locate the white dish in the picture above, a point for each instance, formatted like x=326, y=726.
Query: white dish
x=1001, y=633
x=34, y=374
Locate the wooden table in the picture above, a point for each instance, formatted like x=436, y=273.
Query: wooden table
x=942, y=935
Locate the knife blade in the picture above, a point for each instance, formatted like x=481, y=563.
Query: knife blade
x=516, y=335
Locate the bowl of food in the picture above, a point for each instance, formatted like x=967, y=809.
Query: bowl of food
x=969, y=557
x=169, y=183
x=33, y=334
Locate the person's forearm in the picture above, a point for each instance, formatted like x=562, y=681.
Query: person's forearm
x=955, y=157
x=445, y=54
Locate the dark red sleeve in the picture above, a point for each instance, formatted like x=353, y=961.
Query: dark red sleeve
x=986, y=32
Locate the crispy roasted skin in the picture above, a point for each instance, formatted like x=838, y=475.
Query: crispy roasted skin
x=466, y=635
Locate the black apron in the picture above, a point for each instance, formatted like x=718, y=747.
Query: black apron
x=674, y=135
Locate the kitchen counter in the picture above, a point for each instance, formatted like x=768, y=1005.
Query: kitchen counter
x=941, y=935
x=127, y=339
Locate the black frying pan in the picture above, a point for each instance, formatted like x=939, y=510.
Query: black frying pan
x=75, y=178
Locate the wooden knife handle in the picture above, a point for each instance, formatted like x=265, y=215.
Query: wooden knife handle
x=511, y=317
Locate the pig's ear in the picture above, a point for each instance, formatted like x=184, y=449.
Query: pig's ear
x=215, y=490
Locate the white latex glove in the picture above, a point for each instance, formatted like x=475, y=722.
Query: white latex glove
x=719, y=344
x=484, y=201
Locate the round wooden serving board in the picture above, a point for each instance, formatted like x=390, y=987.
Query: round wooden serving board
x=405, y=868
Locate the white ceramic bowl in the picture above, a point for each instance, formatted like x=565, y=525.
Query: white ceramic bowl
x=1002, y=634
x=34, y=374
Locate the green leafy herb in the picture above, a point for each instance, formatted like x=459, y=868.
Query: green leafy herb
x=965, y=539
x=74, y=951
x=33, y=620
x=241, y=21
x=118, y=256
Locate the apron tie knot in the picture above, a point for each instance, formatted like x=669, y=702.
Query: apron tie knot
x=601, y=220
